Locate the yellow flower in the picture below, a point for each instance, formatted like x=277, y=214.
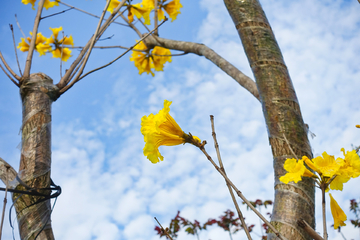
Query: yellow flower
x=59, y=46
x=326, y=165
x=350, y=169
x=337, y=213
x=139, y=12
x=145, y=59
x=295, y=170
x=40, y=44
x=352, y=163
x=47, y=3
x=161, y=130
x=113, y=4
x=172, y=8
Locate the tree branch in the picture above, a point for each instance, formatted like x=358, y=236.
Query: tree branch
x=66, y=78
x=9, y=68
x=33, y=41
x=228, y=185
x=307, y=228
x=203, y=50
x=96, y=69
x=93, y=15
x=7, y=172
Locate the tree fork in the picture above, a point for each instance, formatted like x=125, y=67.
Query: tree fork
x=37, y=94
x=280, y=106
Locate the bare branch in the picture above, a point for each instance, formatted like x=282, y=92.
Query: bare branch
x=228, y=185
x=17, y=59
x=156, y=17
x=93, y=15
x=66, y=78
x=307, y=228
x=9, y=68
x=239, y=193
x=17, y=22
x=94, y=70
x=9, y=76
x=33, y=40
x=54, y=14
x=7, y=172
x=203, y=50
x=131, y=25
x=162, y=229
x=93, y=40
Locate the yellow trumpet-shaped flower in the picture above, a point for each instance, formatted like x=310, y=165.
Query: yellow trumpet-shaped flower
x=337, y=213
x=139, y=12
x=295, y=170
x=40, y=44
x=161, y=130
x=60, y=47
x=146, y=59
x=47, y=3
x=172, y=8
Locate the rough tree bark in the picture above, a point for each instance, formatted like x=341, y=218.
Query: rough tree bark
x=282, y=115
x=37, y=94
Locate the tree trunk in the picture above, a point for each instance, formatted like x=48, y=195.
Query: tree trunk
x=37, y=94
x=282, y=115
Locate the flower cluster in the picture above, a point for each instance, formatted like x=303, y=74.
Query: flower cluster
x=47, y=3
x=143, y=9
x=329, y=172
x=58, y=47
x=145, y=59
x=162, y=130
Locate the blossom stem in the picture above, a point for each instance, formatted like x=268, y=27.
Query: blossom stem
x=228, y=185
x=323, y=187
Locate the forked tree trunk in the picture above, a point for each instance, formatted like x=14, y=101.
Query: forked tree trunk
x=37, y=95
x=282, y=115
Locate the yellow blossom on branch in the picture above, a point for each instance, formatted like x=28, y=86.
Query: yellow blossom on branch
x=139, y=10
x=47, y=3
x=145, y=59
x=162, y=130
x=40, y=44
x=296, y=170
x=60, y=47
x=337, y=213
x=172, y=8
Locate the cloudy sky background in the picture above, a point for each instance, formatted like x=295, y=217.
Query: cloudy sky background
x=110, y=190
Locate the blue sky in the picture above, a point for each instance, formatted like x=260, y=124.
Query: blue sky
x=110, y=190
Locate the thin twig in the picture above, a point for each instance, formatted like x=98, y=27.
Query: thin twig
x=288, y=143
x=228, y=185
x=307, y=228
x=144, y=25
x=156, y=17
x=92, y=43
x=17, y=59
x=9, y=76
x=33, y=40
x=9, y=68
x=62, y=47
x=18, y=24
x=93, y=15
x=70, y=72
x=57, y=13
x=167, y=234
x=96, y=69
x=201, y=146
x=5, y=201
x=131, y=25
